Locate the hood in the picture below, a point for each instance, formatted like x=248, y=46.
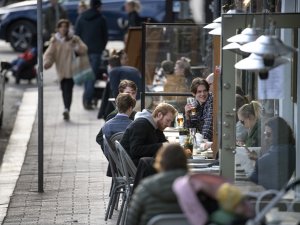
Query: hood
x=90, y=14
x=147, y=115
x=161, y=185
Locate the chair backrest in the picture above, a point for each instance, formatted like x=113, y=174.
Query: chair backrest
x=116, y=137
x=114, y=162
x=128, y=165
x=169, y=219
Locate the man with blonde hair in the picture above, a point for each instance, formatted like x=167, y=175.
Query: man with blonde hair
x=145, y=136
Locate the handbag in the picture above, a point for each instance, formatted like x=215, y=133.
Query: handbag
x=82, y=76
x=83, y=70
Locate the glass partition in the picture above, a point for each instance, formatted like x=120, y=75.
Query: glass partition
x=173, y=54
x=259, y=129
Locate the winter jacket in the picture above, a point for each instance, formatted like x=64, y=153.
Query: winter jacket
x=254, y=136
x=62, y=52
x=274, y=169
x=117, y=74
x=142, y=138
x=91, y=27
x=154, y=196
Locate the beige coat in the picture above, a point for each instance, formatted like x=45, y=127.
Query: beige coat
x=62, y=54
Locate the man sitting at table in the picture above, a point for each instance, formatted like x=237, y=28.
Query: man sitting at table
x=203, y=118
x=145, y=136
x=126, y=86
x=125, y=104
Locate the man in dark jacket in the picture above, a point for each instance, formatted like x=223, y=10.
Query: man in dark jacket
x=144, y=136
x=91, y=27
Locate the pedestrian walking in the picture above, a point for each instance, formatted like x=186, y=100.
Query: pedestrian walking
x=62, y=51
x=91, y=27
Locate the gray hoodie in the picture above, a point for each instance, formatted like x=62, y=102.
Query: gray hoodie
x=147, y=115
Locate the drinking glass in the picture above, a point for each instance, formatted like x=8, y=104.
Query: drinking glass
x=192, y=102
x=180, y=120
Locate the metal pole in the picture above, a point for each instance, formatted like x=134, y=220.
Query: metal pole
x=40, y=98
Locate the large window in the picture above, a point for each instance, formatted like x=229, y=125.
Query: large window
x=174, y=54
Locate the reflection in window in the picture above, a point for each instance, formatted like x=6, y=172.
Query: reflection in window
x=174, y=55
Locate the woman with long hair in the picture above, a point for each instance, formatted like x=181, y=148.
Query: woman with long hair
x=274, y=168
x=249, y=115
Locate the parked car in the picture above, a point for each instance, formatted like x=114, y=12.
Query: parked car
x=18, y=21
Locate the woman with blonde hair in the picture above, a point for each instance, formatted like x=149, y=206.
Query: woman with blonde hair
x=249, y=115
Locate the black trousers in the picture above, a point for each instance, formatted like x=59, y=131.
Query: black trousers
x=66, y=86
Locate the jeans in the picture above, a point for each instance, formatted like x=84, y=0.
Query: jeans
x=88, y=94
x=66, y=86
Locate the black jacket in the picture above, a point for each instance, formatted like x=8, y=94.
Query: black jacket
x=142, y=138
x=91, y=27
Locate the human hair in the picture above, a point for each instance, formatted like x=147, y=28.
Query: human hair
x=196, y=82
x=239, y=90
x=114, y=61
x=124, y=101
x=171, y=157
x=95, y=4
x=127, y=83
x=164, y=108
x=184, y=63
x=239, y=102
x=167, y=66
x=251, y=109
x=61, y=22
x=282, y=133
x=134, y=4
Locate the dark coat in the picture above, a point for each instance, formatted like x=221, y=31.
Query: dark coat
x=274, y=169
x=91, y=27
x=254, y=137
x=117, y=74
x=142, y=139
x=154, y=196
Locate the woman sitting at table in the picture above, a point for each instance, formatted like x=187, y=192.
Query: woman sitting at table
x=249, y=115
x=274, y=169
x=203, y=118
x=154, y=195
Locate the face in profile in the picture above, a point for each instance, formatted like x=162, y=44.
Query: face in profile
x=201, y=94
x=164, y=121
x=268, y=135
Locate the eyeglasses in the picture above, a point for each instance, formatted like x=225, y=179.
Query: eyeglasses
x=268, y=134
x=242, y=122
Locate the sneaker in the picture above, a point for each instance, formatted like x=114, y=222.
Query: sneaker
x=66, y=115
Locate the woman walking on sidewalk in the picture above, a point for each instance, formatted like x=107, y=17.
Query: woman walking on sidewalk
x=63, y=49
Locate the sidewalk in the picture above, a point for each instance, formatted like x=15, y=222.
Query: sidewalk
x=75, y=186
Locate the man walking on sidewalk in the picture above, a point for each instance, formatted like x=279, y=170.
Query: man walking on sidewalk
x=91, y=27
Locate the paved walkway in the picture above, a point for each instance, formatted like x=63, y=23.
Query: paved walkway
x=75, y=186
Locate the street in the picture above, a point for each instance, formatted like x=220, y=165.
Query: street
x=14, y=92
